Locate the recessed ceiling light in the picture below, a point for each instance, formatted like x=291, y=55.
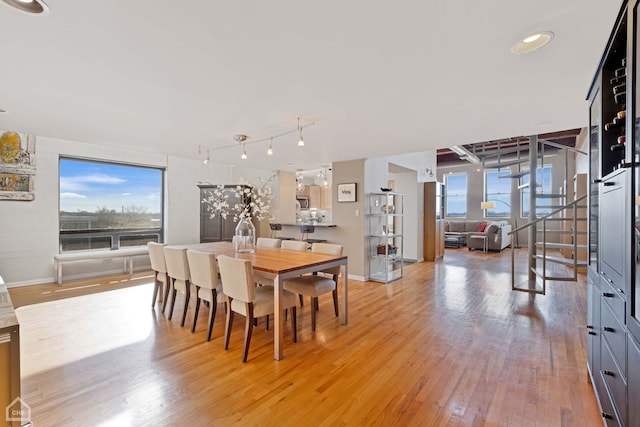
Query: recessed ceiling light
x=2, y=110
x=30, y=6
x=531, y=42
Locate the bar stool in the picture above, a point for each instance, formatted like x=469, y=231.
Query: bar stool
x=309, y=229
x=274, y=229
x=306, y=230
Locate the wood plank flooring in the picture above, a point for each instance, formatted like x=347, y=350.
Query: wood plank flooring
x=448, y=345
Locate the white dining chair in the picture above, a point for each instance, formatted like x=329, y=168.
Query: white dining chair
x=203, y=268
x=318, y=284
x=244, y=298
x=178, y=270
x=294, y=245
x=160, y=276
x=267, y=242
x=264, y=278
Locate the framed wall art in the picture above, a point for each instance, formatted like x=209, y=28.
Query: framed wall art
x=17, y=165
x=347, y=192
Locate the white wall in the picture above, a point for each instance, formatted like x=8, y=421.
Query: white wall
x=413, y=219
x=29, y=231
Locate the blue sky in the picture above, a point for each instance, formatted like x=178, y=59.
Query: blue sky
x=86, y=186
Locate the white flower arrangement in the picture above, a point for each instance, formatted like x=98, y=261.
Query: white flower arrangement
x=255, y=200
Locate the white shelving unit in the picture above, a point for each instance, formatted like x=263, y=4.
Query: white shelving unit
x=385, y=236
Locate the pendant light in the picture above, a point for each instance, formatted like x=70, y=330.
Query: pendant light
x=205, y=160
x=241, y=140
x=300, y=139
x=270, y=149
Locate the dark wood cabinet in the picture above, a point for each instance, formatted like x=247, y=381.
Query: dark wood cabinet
x=217, y=228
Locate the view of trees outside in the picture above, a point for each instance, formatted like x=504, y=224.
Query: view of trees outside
x=118, y=205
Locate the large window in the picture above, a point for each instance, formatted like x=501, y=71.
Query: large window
x=456, y=195
x=108, y=205
x=497, y=189
x=543, y=181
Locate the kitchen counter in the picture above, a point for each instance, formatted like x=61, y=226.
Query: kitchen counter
x=7, y=314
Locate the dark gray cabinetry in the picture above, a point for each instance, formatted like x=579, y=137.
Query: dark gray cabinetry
x=613, y=358
x=633, y=360
x=593, y=333
x=612, y=233
x=217, y=228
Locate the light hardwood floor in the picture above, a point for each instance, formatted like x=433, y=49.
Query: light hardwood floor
x=449, y=344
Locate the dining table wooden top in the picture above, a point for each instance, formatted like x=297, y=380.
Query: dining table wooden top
x=270, y=260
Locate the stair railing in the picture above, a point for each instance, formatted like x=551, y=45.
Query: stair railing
x=532, y=264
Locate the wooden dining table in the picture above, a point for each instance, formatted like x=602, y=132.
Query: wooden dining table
x=284, y=264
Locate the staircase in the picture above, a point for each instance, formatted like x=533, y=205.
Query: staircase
x=556, y=227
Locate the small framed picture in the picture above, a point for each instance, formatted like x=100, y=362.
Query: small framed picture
x=347, y=192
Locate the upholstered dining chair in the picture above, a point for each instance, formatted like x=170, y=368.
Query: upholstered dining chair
x=294, y=245
x=316, y=285
x=244, y=298
x=160, y=276
x=263, y=278
x=203, y=268
x=268, y=242
x=178, y=270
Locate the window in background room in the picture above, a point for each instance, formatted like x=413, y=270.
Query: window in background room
x=456, y=195
x=543, y=180
x=497, y=188
x=109, y=205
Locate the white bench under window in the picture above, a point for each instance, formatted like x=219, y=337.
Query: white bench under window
x=127, y=254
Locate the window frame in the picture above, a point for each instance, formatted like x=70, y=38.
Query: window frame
x=496, y=196
x=464, y=195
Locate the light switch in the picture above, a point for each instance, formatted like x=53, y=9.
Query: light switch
x=357, y=212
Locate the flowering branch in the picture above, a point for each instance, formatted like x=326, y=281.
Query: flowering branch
x=254, y=201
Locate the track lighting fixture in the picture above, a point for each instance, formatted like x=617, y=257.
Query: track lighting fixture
x=244, y=140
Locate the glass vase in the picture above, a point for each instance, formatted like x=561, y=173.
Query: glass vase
x=244, y=239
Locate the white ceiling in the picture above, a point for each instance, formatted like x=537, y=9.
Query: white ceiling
x=377, y=78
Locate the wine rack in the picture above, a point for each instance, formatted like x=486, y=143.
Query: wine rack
x=614, y=86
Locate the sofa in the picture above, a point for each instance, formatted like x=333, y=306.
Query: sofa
x=496, y=232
